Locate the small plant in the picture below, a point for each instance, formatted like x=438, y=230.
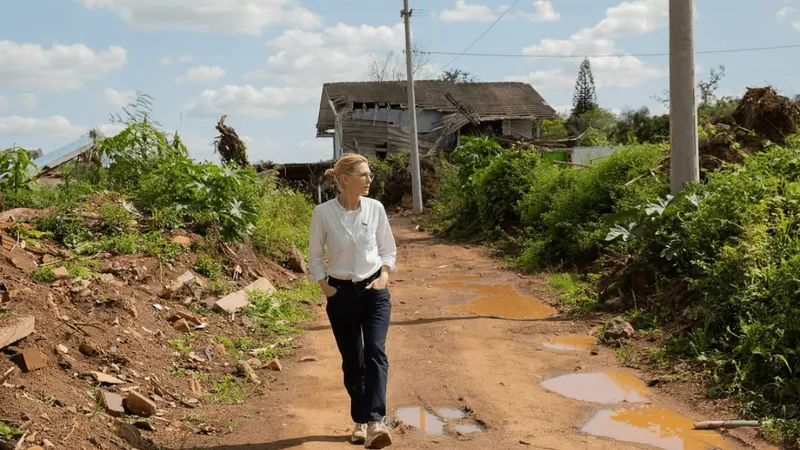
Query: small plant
x=9, y=433
x=280, y=312
x=184, y=344
x=208, y=266
x=228, y=390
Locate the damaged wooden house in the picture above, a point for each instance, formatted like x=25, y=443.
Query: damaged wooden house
x=372, y=118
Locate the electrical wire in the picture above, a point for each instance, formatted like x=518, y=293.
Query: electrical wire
x=482, y=34
x=637, y=55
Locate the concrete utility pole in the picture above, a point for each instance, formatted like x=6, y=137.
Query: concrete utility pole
x=416, y=185
x=684, y=161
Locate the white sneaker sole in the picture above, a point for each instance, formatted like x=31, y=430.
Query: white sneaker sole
x=358, y=439
x=384, y=439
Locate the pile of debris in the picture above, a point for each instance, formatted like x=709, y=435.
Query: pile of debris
x=120, y=358
x=762, y=114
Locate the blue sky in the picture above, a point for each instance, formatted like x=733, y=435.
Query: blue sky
x=65, y=65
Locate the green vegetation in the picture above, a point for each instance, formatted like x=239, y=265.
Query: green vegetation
x=721, y=259
x=228, y=390
x=9, y=433
x=184, y=344
x=279, y=313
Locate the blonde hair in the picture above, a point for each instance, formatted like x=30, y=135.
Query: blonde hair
x=344, y=166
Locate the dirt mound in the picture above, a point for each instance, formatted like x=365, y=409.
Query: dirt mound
x=762, y=114
x=131, y=345
x=768, y=114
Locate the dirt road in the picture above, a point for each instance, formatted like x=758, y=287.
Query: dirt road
x=444, y=356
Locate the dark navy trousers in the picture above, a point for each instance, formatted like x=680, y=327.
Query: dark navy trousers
x=359, y=319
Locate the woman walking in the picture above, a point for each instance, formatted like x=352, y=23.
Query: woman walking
x=361, y=250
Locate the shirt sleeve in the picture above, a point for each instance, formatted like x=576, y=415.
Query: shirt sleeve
x=316, y=258
x=387, y=249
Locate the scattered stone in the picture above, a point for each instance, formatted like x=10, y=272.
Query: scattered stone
x=193, y=356
x=35, y=447
x=15, y=329
x=90, y=350
x=308, y=359
x=139, y=404
x=112, y=402
x=182, y=240
x=144, y=425
x=63, y=363
x=248, y=371
x=72, y=409
x=255, y=363
x=182, y=284
x=61, y=273
x=33, y=359
x=619, y=328
x=23, y=261
x=527, y=440
x=191, y=319
x=48, y=444
x=61, y=348
x=235, y=301
x=104, y=378
x=195, y=386
x=128, y=433
x=296, y=261
x=182, y=326
x=275, y=365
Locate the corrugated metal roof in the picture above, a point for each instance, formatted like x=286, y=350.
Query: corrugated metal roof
x=64, y=154
x=506, y=100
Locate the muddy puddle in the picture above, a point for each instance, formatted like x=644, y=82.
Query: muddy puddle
x=653, y=426
x=502, y=301
x=569, y=343
x=435, y=424
x=604, y=387
x=421, y=419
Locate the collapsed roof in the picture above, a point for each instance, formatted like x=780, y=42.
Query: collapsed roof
x=489, y=101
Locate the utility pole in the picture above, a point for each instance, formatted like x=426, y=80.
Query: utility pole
x=684, y=160
x=416, y=185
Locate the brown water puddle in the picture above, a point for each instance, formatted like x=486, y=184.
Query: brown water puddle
x=421, y=419
x=654, y=426
x=570, y=343
x=503, y=301
x=606, y=387
x=434, y=424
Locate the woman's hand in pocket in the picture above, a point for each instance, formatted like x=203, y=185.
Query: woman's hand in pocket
x=328, y=290
x=380, y=283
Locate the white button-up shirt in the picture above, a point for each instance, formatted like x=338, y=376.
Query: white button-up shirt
x=358, y=243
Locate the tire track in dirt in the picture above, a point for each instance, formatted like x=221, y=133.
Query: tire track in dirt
x=438, y=358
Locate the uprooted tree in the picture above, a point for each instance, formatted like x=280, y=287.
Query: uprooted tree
x=230, y=147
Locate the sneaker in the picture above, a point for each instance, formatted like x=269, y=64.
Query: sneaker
x=359, y=435
x=378, y=435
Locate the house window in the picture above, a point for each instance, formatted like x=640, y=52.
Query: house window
x=380, y=154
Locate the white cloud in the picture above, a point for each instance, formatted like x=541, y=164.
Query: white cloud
x=544, y=12
x=201, y=74
x=4, y=101
x=250, y=101
x=628, y=19
x=28, y=101
x=61, y=68
x=783, y=13
x=301, y=63
x=465, y=12
x=166, y=60
x=626, y=71
x=53, y=127
x=210, y=16
x=118, y=99
x=796, y=25
x=339, y=53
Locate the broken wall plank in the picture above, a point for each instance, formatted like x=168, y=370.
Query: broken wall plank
x=15, y=329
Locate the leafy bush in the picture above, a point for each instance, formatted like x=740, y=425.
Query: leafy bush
x=481, y=187
x=563, y=207
x=284, y=221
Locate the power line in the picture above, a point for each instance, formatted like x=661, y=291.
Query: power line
x=638, y=55
x=482, y=35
